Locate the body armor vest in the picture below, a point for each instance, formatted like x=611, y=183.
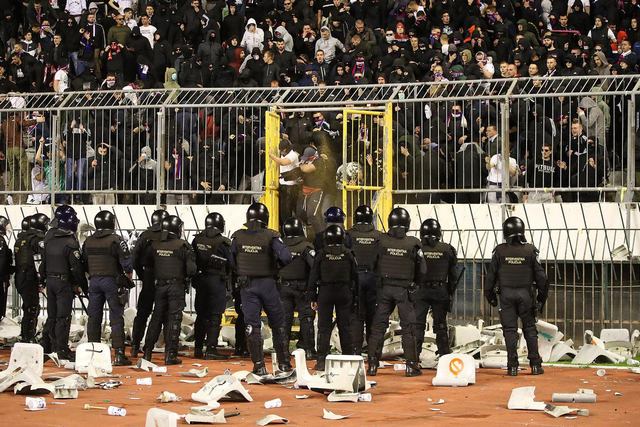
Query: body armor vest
x=255, y=257
x=168, y=259
x=56, y=242
x=27, y=250
x=206, y=244
x=5, y=259
x=298, y=268
x=363, y=243
x=101, y=260
x=396, y=261
x=335, y=265
x=515, y=265
x=437, y=258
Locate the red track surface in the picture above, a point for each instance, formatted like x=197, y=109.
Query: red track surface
x=396, y=400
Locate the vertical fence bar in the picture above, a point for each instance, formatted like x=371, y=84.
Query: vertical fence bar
x=160, y=153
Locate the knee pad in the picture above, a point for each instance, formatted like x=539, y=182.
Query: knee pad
x=33, y=311
x=251, y=331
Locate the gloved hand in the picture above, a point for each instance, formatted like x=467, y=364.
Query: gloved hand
x=539, y=307
x=492, y=298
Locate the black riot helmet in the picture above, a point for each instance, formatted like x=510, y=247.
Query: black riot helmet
x=67, y=218
x=513, y=229
x=430, y=231
x=173, y=225
x=214, y=220
x=292, y=227
x=158, y=215
x=334, y=215
x=105, y=220
x=334, y=235
x=399, y=217
x=258, y=212
x=3, y=225
x=26, y=223
x=39, y=221
x=363, y=215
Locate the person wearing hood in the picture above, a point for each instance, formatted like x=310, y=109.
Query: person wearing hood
x=103, y=173
x=234, y=54
x=601, y=34
x=599, y=65
x=592, y=118
x=571, y=69
x=233, y=23
x=143, y=176
x=253, y=37
x=328, y=44
x=171, y=79
x=578, y=18
x=523, y=29
x=210, y=50
x=245, y=80
x=254, y=63
x=282, y=33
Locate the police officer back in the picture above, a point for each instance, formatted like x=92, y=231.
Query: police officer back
x=64, y=272
x=511, y=275
x=295, y=292
x=335, y=276
x=108, y=262
x=438, y=287
x=6, y=265
x=212, y=258
x=333, y=215
x=364, y=242
x=255, y=253
x=399, y=265
x=145, y=273
x=172, y=261
x=28, y=254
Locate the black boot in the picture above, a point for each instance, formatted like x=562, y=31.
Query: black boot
x=537, y=370
x=135, y=350
x=198, y=353
x=320, y=364
x=372, y=370
x=512, y=371
x=171, y=358
x=120, y=359
x=281, y=346
x=413, y=369
x=259, y=369
x=67, y=355
x=212, y=354
x=148, y=354
x=199, y=332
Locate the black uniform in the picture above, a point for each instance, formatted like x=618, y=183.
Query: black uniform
x=28, y=254
x=511, y=275
x=145, y=272
x=212, y=258
x=107, y=259
x=62, y=266
x=364, y=240
x=335, y=276
x=399, y=265
x=435, y=292
x=172, y=261
x=255, y=253
x=6, y=270
x=295, y=293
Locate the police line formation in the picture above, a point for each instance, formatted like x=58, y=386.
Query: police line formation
x=361, y=274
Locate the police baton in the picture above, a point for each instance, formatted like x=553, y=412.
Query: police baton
x=84, y=306
x=456, y=287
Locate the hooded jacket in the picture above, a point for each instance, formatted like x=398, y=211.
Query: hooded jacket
x=604, y=69
x=253, y=40
x=329, y=47
x=592, y=119
x=210, y=51
x=284, y=35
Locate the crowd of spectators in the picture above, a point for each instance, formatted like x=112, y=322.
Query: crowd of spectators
x=59, y=46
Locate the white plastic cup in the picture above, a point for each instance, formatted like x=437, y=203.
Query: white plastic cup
x=144, y=381
x=159, y=369
x=364, y=397
x=399, y=367
x=275, y=403
x=601, y=372
x=35, y=403
x=117, y=411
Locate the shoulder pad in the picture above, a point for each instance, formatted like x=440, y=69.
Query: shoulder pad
x=235, y=234
x=76, y=254
x=420, y=253
x=312, y=252
x=275, y=234
x=453, y=251
x=226, y=241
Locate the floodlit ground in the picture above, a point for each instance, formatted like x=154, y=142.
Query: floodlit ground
x=396, y=400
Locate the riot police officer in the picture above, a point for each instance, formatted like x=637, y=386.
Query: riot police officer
x=511, y=276
x=399, y=266
x=255, y=253
x=334, y=276
x=6, y=265
x=145, y=273
x=364, y=241
x=294, y=287
x=64, y=273
x=28, y=252
x=333, y=215
x=212, y=258
x=172, y=261
x=438, y=287
x=108, y=262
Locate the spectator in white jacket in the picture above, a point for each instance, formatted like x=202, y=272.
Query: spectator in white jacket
x=328, y=44
x=253, y=36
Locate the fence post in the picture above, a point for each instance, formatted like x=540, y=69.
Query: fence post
x=631, y=148
x=160, y=150
x=56, y=135
x=506, y=153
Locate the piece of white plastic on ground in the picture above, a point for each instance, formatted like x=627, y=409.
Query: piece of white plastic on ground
x=365, y=397
x=328, y=415
x=144, y=365
x=609, y=335
x=190, y=381
x=197, y=365
x=382, y=364
x=93, y=354
x=274, y=403
x=68, y=364
x=493, y=356
x=455, y=370
x=581, y=396
x=341, y=396
x=342, y=373
x=272, y=419
x=167, y=396
x=206, y=418
x=144, y=381
x=65, y=393
x=37, y=389
x=591, y=339
x=197, y=373
x=439, y=402
x=548, y=336
x=463, y=335
x=399, y=367
x=222, y=387
x=9, y=329
x=28, y=356
x=204, y=408
x=241, y=375
x=435, y=409
x=591, y=353
x=18, y=375
x=635, y=370
x=617, y=393
x=157, y=417
x=252, y=378
x=558, y=411
x=523, y=398
x=302, y=396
